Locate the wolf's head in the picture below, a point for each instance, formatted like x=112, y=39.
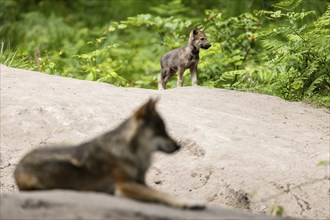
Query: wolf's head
x=151, y=132
x=198, y=39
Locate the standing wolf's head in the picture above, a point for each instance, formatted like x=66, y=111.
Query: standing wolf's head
x=151, y=132
x=198, y=38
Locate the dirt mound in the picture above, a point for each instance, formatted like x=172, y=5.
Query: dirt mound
x=242, y=150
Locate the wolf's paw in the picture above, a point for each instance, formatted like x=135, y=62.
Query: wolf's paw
x=191, y=204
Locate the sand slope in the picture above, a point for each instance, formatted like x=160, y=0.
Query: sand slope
x=241, y=150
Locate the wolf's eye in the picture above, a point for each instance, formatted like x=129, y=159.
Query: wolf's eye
x=202, y=38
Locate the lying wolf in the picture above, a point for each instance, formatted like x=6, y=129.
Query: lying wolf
x=180, y=59
x=115, y=162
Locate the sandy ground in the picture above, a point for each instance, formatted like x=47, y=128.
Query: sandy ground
x=241, y=150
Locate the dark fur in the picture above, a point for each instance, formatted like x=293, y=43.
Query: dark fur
x=115, y=162
x=180, y=59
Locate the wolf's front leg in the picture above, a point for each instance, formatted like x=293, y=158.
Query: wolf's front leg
x=141, y=192
x=180, y=77
x=193, y=72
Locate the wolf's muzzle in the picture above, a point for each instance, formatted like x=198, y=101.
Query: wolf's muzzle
x=206, y=46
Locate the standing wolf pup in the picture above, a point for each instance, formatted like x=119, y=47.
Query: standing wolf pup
x=115, y=162
x=180, y=59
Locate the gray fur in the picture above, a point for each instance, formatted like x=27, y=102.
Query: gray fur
x=180, y=59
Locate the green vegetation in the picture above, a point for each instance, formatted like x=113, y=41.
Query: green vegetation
x=323, y=163
x=277, y=210
x=274, y=47
x=11, y=57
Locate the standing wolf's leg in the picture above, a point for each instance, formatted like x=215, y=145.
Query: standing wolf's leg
x=193, y=72
x=144, y=193
x=164, y=77
x=180, y=77
x=161, y=84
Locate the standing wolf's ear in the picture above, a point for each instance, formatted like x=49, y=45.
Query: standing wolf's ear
x=147, y=109
x=195, y=31
x=202, y=30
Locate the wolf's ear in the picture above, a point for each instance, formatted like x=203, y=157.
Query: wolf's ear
x=147, y=109
x=202, y=30
x=195, y=31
